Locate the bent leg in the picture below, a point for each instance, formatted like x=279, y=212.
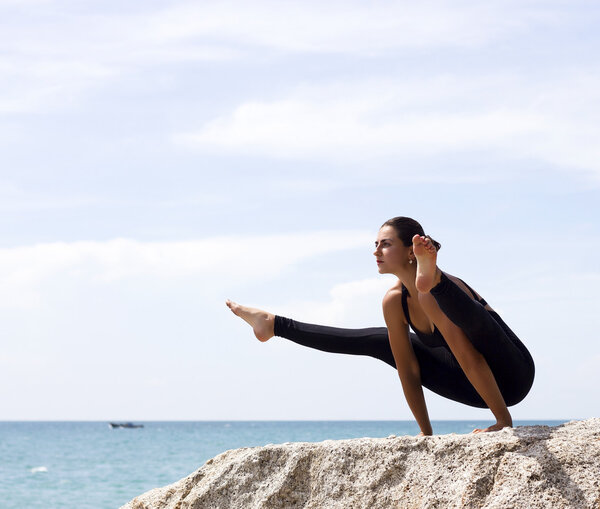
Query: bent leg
x=507, y=357
x=442, y=374
x=470, y=316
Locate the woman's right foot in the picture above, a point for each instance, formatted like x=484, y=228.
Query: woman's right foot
x=262, y=323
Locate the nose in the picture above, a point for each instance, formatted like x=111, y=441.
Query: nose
x=376, y=252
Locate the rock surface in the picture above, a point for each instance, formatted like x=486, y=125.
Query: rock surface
x=526, y=467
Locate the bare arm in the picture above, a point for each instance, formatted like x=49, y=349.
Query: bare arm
x=406, y=361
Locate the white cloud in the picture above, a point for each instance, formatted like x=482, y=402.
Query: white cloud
x=48, y=67
x=347, y=27
x=220, y=261
x=424, y=117
x=295, y=129
x=350, y=304
x=15, y=199
x=48, y=64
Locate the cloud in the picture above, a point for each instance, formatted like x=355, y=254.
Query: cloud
x=224, y=261
x=15, y=199
x=346, y=27
x=51, y=56
x=48, y=66
x=295, y=129
x=442, y=114
x=350, y=304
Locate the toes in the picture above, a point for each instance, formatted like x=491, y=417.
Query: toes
x=425, y=242
x=428, y=244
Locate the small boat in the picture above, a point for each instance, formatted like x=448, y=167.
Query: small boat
x=126, y=425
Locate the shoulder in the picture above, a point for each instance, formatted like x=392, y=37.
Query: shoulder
x=392, y=305
x=393, y=296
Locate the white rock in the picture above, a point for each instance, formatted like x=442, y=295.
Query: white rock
x=527, y=467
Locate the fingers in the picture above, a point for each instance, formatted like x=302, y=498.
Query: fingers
x=495, y=427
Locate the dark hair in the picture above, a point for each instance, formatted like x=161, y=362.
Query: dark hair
x=406, y=228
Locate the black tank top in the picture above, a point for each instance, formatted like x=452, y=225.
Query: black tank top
x=435, y=338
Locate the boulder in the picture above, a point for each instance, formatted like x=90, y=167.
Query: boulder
x=524, y=467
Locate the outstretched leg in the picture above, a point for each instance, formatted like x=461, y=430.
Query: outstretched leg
x=371, y=341
x=440, y=372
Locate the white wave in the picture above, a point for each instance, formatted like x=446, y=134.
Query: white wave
x=36, y=470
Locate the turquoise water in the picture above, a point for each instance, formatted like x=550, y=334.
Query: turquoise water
x=88, y=465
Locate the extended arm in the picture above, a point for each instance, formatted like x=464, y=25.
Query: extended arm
x=406, y=361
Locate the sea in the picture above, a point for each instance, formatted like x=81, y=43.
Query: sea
x=84, y=465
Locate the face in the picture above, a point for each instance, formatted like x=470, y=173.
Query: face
x=390, y=252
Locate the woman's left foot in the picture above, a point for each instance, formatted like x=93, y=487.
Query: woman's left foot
x=428, y=275
x=262, y=322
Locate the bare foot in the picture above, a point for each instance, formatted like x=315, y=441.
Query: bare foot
x=495, y=427
x=428, y=275
x=262, y=323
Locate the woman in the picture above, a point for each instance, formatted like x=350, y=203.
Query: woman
x=460, y=348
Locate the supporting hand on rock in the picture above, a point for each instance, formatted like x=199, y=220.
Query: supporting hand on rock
x=495, y=427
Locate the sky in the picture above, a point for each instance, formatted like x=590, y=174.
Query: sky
x=160, y=157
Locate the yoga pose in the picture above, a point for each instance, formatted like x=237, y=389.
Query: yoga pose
x=460, y=348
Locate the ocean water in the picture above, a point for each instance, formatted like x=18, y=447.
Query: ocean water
x=88, y=465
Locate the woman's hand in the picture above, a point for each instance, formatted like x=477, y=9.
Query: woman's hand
x=495, y=427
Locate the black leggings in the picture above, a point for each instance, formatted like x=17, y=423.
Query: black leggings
x=507, y=357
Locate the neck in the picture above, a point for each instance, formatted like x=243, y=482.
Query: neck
x=407, y=277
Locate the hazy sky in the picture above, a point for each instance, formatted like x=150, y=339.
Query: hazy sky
x=160, y=157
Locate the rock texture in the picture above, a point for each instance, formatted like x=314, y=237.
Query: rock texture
x=525, y=467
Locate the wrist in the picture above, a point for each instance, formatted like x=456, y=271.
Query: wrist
x=426, y=430
x=504, y=417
